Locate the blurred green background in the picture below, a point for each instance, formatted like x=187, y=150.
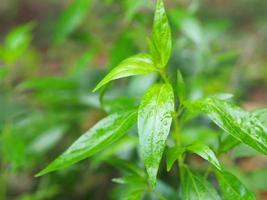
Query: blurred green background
x=53, y=52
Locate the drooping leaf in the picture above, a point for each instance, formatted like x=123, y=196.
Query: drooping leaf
x=232, y=188
x=71, y=18
x=240, y=124
x=104, y=133
x=205, y=152
x=139, y=64
x=172, y=155
x=154, y=122
x=161, y=44
x=196, y=187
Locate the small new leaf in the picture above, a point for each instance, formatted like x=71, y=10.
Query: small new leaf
x=139, y=64
x=205, y=152
x=196, y=187
x=161, y=44
x=232, y=188
x=242, y=125
x=104, y=133
x=154, y=122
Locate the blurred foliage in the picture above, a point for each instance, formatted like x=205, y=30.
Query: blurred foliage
x=52, y=54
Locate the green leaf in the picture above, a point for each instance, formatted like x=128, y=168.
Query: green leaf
x=205, y=152
x=261, y=114
x=172, y=155
x=196, y=187
x=17, y=41
x=104, y=133
x=240, y=124
x=180, y=86
x=161, y=44
x=139, y=64
x=232, y=188
x=154, y=122
x=72, y=17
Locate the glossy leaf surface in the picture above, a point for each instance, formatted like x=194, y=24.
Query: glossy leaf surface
x=154, y=122
x=205, y=152
x=161, y=44
x=140, y=64
x=104, y=133
x=240, y=124
x=232, y=188
x=196, y=187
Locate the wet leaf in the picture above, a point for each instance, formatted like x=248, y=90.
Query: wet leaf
x=242, y=125
x=139, y=64
x=196, y=187
x=154, y=122
x=104, y=133
x=161, y=44
x=232, y=188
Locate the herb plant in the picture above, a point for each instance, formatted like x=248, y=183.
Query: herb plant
x=160, y=117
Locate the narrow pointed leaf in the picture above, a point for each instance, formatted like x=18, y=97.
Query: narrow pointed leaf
x=196, y=187
x=161, y=44
x=242, y=125
x=205, y=152
x=104, y=133
x=232, y=188
x=154, y=122
x=140, y=64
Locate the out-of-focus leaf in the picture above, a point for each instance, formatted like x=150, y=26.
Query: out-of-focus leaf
x=196, y=187
x=161, y=43
x=47, y=140
x=17, y=41
x=180, y=86
x=72, y=17
x=172, y=155
x=132, y=8
x=48, y=83
x=140, y=64
x=81, y=65
x=154, y=122
x=240, y=124
x=232, y=188
x=104, y=133
x=205, y=152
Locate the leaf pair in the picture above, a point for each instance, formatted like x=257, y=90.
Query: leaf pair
x=201, y=149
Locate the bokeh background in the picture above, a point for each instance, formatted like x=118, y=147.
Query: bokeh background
x=53, y=52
